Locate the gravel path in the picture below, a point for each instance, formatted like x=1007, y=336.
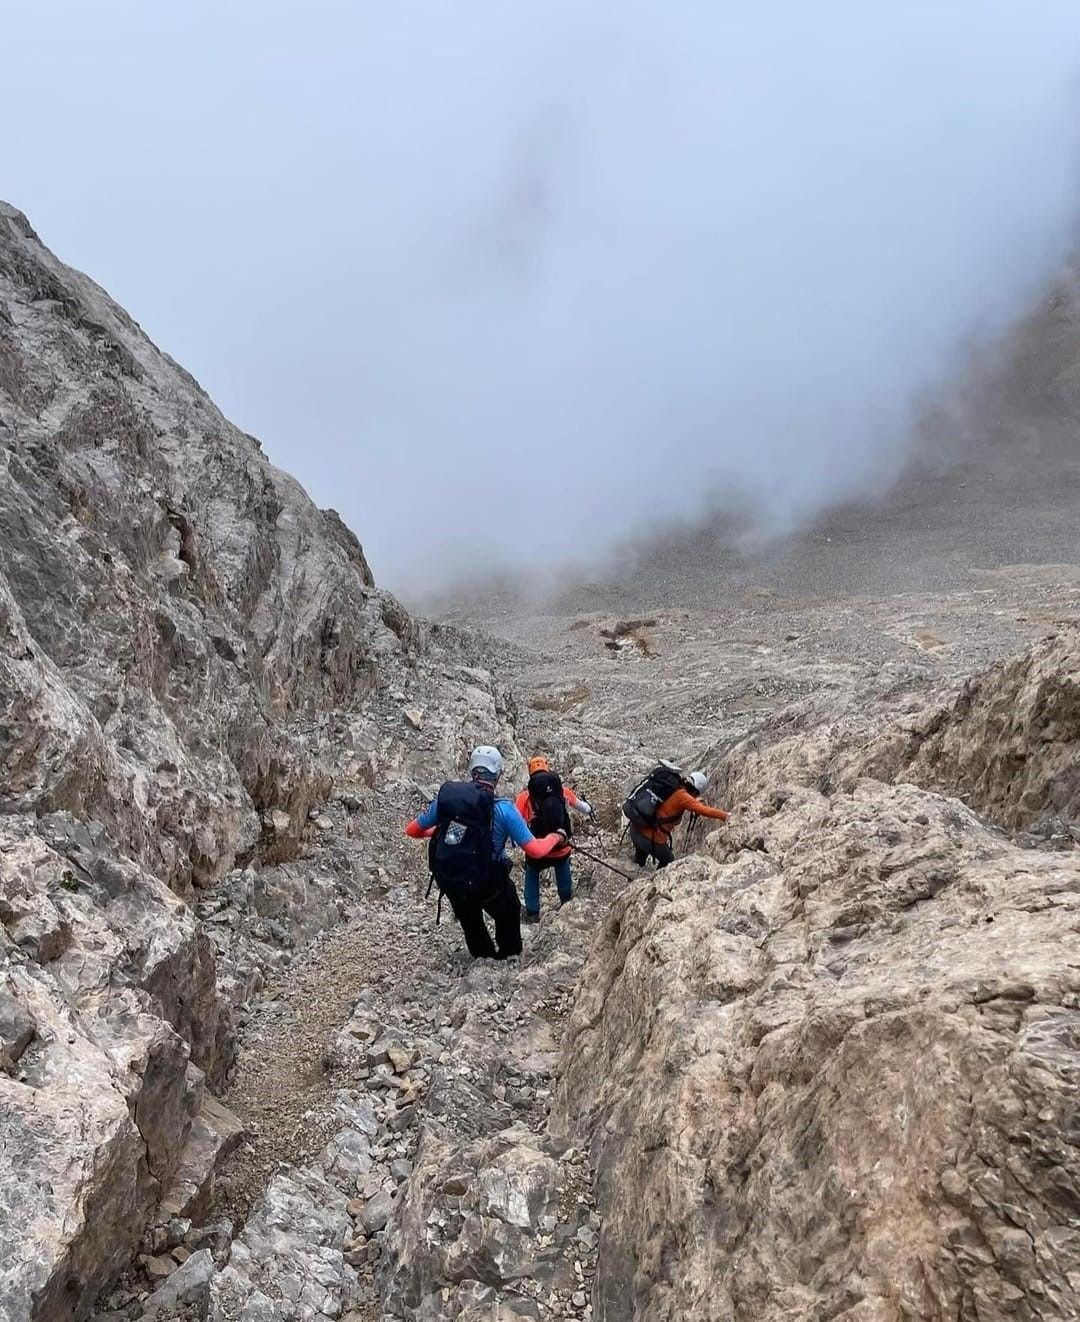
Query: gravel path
x=407, y=1077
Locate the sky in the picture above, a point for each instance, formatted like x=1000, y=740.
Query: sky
x=505, y=283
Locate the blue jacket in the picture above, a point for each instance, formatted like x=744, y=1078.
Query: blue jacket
x=507, y=824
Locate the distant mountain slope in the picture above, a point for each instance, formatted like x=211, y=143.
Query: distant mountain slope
x=993, y=479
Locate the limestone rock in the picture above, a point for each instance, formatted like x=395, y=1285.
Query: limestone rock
x=157, y=1268
x=831, y=1075
x=98, y=1102
x=487, y=1232
x=213, y=1134
x=288, y=1263
x=347, y=1156
x=376, y=1212
x=16, y=1030
x=166, y=596
x=187, y=1287
x=1007, y=744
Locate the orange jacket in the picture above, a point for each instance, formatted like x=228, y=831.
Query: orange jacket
x=670, y=815
x=524, y=806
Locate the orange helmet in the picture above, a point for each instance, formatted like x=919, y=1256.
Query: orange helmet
x=538, y=764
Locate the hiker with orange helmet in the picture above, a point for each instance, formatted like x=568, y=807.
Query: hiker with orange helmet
x=543, y=803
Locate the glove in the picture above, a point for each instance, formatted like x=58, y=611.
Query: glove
x=583, y=807
x=562, y=835
x=416, y=832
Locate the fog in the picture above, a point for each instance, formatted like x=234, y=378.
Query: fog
x=504, y=283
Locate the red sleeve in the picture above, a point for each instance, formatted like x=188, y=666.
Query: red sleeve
x=704, y=810
x=570, y=797
x=416, y=832
x=542, y=847
x=523, y=805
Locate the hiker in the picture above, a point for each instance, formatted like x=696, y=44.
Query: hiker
x=543, y=803
x=468, y=828
x=655, y=808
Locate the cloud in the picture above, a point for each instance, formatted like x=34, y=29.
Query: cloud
x=676, y=253
x=504, y=283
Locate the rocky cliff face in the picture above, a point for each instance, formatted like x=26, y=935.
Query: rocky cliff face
x=1007, y=744
x=823, y=1067
x=830, y=1070
x=176, y=619
x=168, y=597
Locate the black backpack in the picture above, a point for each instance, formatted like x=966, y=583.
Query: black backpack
x=548, y=804
x=642, y=804
x=459, y=854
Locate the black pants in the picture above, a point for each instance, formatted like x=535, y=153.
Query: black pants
x=644, y=849
x=504, y=908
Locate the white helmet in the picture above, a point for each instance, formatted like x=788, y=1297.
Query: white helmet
x=698, y=779
x=486, y=758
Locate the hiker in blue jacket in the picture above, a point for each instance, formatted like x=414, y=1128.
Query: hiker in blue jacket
x=469, y=828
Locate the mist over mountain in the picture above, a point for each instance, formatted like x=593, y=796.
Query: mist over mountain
x=536, y=277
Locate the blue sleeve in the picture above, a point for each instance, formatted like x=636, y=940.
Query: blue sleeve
x=430, y=816
x=513, y=823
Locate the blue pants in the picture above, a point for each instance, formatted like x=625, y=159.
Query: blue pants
x=564, y=882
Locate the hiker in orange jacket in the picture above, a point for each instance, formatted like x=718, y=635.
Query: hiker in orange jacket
x=542, y=816
x=655, y=841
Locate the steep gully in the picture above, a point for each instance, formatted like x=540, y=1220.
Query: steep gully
x=214, y=724
x=824, y=1067
x=432, y=1097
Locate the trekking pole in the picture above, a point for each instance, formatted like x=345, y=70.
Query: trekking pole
x=427, y=896
x=625, y=875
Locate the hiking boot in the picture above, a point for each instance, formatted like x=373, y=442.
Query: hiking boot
x=566, y=901
x=532, y=917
